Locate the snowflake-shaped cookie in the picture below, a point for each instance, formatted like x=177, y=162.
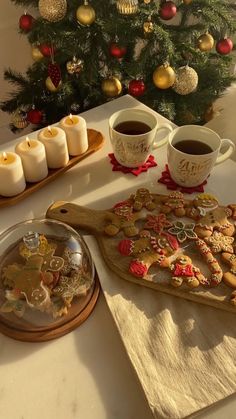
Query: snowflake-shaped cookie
x=157, y=222
x=220, y=243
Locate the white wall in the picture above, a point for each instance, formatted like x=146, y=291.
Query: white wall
x=15, y=51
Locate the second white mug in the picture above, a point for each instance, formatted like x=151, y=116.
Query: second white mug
x=193, y=151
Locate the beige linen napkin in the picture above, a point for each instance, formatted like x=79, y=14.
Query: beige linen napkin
x=183, y=352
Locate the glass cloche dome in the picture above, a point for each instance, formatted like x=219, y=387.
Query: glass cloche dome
x=47, y=280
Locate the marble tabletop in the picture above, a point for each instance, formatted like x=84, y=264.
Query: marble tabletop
x=87, y=373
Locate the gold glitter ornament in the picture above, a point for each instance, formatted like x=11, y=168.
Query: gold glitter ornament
x=147, y=1
x=19, y=119
x=111, y=86
x=186, y=80
x=85, y=14
x=36, y=54
x=187, y=2
x=127, y=7
x=52, y=10
x=164, y=76
x=50, y=86
x=75, y=66
x=205, y=42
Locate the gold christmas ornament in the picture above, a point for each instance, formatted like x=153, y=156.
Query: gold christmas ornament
x=75, y=66
x=36, y=54
x=164, y=76
x=147, y=1
x=52, y=10
x=186, y=80
x=187, y=2
x=50, y=86
x=19, y=119
x=148, y=27
x=85, y=14
x=205, y=42
x=111, y=87
x=127, y=7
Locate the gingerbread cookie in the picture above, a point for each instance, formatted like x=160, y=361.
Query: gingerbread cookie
x=215, y=220
x=230, y=277
x=212, y=263
x=148, y=250
x=200, y=205
x=220, y=243
x=175, y=203
x=122, y=218
x=29, y=281
x=183, y=270
x=142, y=199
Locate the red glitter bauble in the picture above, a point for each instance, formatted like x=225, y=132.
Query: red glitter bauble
x=224, y=46
x=167, y=10
x=46, y=50
x=136, y=88
x=26, y=22
x=34, y=116
x=117, y=51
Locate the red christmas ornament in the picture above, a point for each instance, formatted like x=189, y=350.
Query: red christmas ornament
x=224, y=46
x=34, y=116
x=117, y=51
x=167, y=10
x=137, y=87
x=26, y=22
x=47, y=50
x=54, y=73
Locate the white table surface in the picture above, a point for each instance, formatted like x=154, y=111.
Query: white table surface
x=87, y=374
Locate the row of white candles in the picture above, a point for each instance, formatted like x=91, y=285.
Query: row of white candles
x=33, y=157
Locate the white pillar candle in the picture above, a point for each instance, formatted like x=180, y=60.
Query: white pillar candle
x=33, y=156
x=12, y=180
x=76, y=134
x=54, y=140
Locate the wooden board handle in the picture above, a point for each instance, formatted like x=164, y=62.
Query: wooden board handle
x=78, y=216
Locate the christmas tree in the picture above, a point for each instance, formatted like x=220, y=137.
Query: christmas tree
x=174, y=56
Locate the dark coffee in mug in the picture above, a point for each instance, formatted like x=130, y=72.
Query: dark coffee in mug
x=193, y=147
x=132, y=128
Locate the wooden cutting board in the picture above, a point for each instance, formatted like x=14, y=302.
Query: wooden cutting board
x=96, y=221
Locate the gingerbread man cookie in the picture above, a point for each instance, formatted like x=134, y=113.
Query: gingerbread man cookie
x=142, y=199
x=148, y=250
x=183, y=270
x=215, y=220
x=174, y=203
x=122, y=218
x=200, y=205
x=29, y=280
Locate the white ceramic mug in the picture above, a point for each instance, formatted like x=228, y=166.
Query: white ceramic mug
x=133, y=149
x=188, y=168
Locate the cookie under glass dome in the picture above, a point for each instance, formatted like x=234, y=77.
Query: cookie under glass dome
x=47, y=277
